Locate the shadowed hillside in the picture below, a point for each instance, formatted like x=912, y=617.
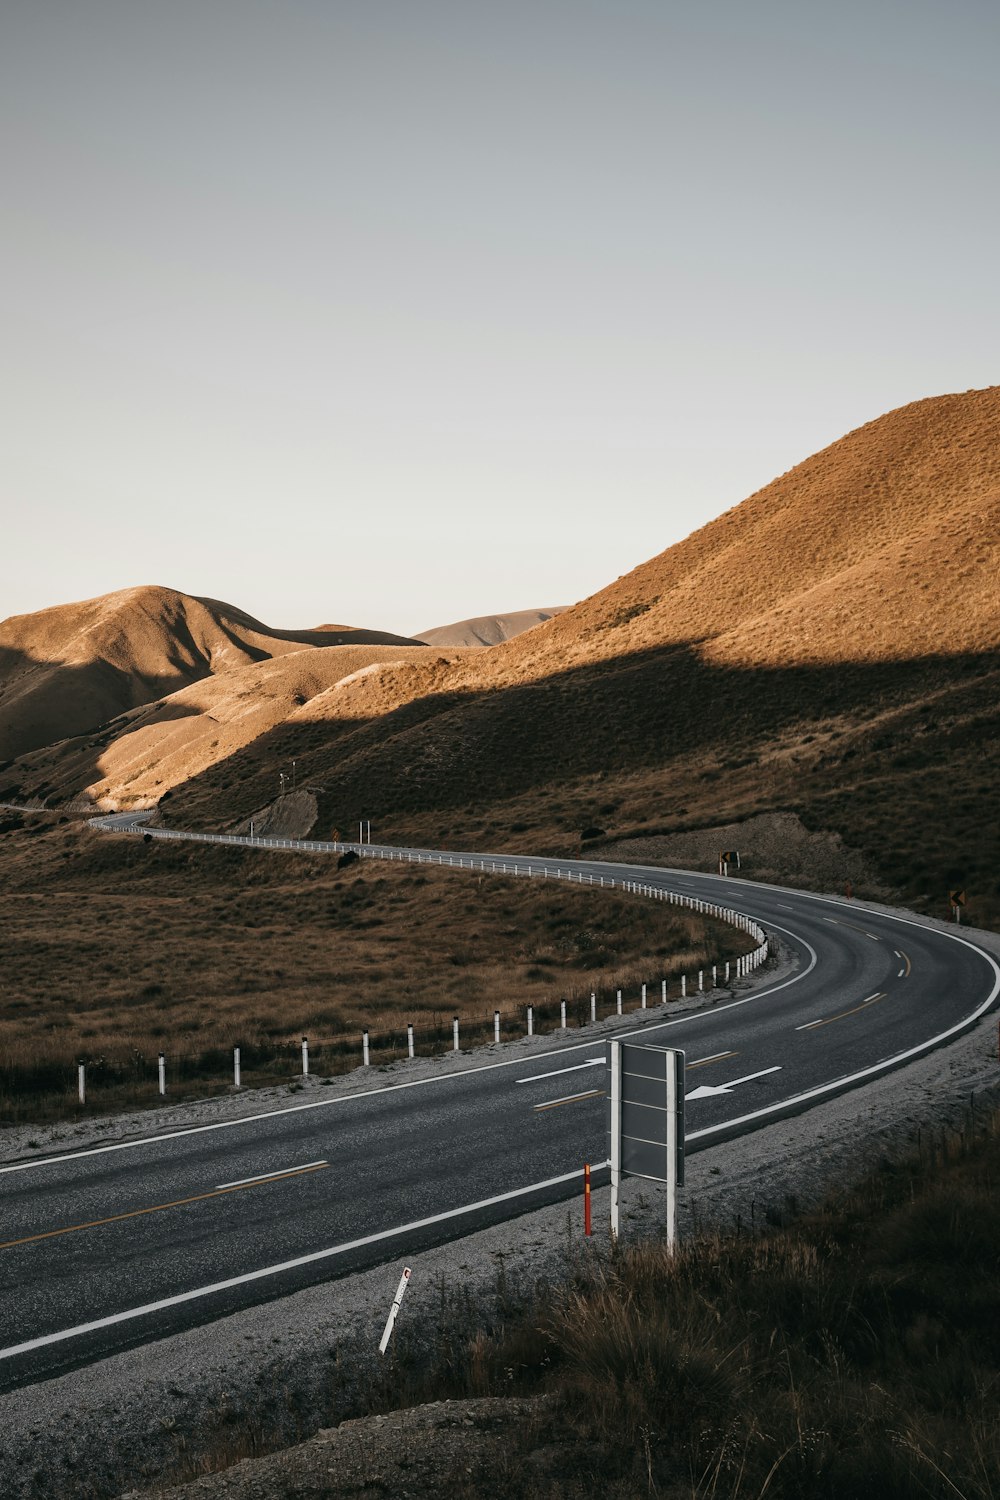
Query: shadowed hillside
x=66, y=670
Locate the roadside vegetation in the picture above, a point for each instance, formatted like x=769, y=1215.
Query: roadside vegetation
x=849, y=1353
x=116, y=950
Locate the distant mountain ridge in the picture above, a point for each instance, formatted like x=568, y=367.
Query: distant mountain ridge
x=488, y=630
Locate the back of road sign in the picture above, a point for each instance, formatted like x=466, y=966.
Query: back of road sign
x=648, y=1097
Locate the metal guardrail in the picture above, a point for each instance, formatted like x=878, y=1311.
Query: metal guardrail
x=532, y=868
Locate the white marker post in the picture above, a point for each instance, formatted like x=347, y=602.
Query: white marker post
x=163, y=1074
x=364, y=1048
x=305, y=1056
x=409, y=1041
x=562, y=1014
x=663, y=992
x=236, y=1067
x=81, y=1082
x=454, y=1033
x=593, y=1008
x=643, y=1002
x=394, y=1309
x=618, y=1001
x=496, y=1025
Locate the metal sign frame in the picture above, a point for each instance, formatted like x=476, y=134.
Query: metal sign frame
x=646, y=1121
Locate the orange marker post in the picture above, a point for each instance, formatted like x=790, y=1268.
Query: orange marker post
x=586, y=1200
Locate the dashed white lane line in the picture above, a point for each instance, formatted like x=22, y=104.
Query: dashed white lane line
x=592, y=1062
x=266, y=1176
x=828, y=1020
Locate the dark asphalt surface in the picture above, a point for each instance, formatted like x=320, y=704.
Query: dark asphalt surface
x=877, y=987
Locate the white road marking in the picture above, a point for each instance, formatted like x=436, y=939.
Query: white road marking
x=557, y=1073
x=825, y=1020
x=280, y=1172
x=275, y=1270
x=901, y=974
x=715, y=1057
x=706, y=1090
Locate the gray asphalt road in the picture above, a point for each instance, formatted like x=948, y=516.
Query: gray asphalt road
x=114, y=1247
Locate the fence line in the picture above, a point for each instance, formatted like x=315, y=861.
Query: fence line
x=744, y=966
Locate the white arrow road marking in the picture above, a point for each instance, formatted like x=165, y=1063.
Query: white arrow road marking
x=592, y=1062
x=707, y=1089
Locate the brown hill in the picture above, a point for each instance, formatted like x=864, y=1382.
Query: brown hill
x=63, y=671
x=488, y=630
x=146, y=752
x=829, y=648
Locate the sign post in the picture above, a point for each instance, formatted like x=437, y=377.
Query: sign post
x=646, y=1122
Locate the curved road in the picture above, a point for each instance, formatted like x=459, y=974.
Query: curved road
x=119, y=1245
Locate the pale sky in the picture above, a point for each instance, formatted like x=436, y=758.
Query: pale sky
x=394, y=312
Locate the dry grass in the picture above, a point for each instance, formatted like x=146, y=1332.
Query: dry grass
x=115, y=950
x=856, y=1353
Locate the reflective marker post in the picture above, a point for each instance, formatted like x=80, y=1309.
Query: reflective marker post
x=394, y=1310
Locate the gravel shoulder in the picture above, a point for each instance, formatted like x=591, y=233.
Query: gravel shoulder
x=309, y=1361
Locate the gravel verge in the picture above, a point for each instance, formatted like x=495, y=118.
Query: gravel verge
x=291, y=1366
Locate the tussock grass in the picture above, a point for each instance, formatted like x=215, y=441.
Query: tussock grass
x=854, y=1353
x=115, y=950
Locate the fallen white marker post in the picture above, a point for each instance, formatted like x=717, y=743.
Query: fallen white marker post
x=394, y=1309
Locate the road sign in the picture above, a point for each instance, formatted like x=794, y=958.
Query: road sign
x=646, y=1120
x=957, y=898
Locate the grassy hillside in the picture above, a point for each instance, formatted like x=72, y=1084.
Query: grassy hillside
x=830, y=648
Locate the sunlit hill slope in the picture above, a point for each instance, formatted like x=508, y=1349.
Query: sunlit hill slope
x=828, y=647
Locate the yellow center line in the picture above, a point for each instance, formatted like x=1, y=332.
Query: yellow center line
x=571, y=1099
x=706, y=1060
x=830, y=1019
x=137, y=1213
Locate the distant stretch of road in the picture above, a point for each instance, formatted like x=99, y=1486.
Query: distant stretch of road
x=113, y=1246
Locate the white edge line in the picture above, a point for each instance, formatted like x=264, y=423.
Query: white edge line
x=285, y=1265
x=416, y=1083
x=266, y=1176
